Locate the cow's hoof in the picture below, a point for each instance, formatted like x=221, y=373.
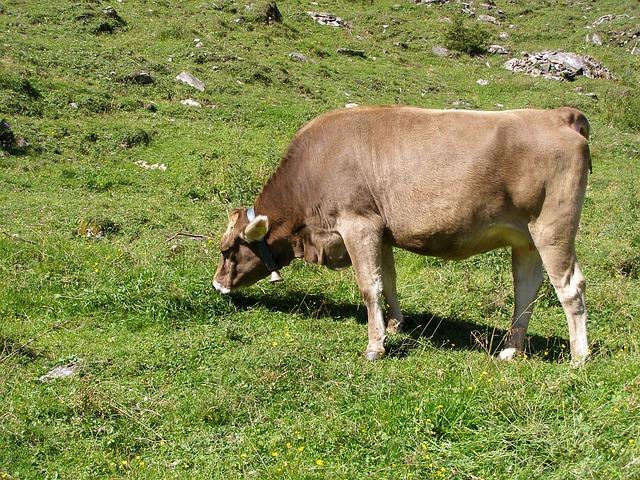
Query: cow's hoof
x=394, y=326
x=372, y=356
x=508, y=354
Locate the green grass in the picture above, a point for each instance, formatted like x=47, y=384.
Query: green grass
x=177, y=382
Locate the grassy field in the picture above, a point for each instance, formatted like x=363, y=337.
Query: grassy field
x=175, y=381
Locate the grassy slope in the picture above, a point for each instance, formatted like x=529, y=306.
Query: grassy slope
x=178, y=382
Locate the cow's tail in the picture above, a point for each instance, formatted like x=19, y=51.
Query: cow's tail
x=578, y=122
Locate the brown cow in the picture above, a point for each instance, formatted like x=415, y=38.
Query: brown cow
x=354, y=183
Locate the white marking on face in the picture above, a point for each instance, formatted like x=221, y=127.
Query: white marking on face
x=223, y=290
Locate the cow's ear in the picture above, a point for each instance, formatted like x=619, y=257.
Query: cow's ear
x=257, y=229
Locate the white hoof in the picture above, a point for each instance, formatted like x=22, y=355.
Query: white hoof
x=508, y=354
x=372, y=356
x=580, y=360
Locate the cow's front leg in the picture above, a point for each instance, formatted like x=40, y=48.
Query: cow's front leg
x=363, y=241
x=527, y=278
x=394, y=317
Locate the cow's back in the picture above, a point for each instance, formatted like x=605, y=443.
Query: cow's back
x=435, y=176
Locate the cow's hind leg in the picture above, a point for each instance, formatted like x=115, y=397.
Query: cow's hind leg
x=564, y=272
x=363, y=241
x=394, y=315
x=555, y=240
x=527, y=278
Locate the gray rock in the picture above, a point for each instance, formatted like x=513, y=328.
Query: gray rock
x=503, y=35
x=189, y=79
x=351, y=105
x=441, y=52
x=61, y=371
x=297, y=57
x=328, y=19
x=482, y=82
x=497, y=50
x=558, y=65
x=73, y=105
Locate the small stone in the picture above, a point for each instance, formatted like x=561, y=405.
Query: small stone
x=189, y=79
x=593, y=38
x=497, y=50
x=154, y=166
x=503, y=35
x=191, y=103
x=351, y=105
x=199, y=45
x=328, y=19
x=482, y=82
x=297, y=57
x=488, y=19
x=350, y=52
x=460, y=103
x=608, y=18
x=7, y=138
x=73, y=105
x=111, y=12
x=272, y=13
x=141, y=78
x=441, y=52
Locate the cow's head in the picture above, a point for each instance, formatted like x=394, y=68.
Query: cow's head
x=240, y=263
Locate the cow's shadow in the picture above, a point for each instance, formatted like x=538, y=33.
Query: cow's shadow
x=421, y=330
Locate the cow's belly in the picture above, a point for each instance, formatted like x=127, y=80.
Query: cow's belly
x=459, y=245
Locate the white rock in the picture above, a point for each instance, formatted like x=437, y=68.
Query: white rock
x=482, y=82
x=61, y=371
x=189, y=79
x=351, y=105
